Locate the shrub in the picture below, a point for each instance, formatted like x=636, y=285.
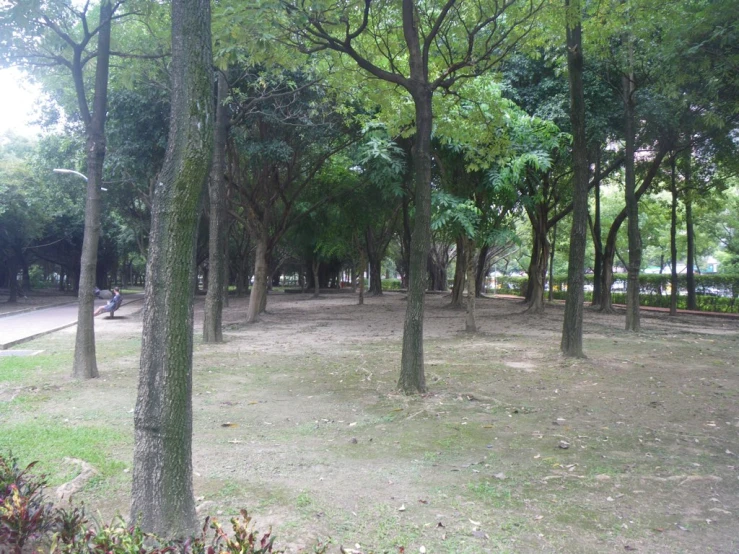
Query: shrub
x=25, y=516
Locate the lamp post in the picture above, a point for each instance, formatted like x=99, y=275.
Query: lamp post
x=85, y=362
x=73, y=172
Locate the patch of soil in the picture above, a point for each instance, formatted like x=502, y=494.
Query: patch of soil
x=298, y=419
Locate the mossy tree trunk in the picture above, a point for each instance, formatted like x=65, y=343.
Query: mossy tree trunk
x=162, y=491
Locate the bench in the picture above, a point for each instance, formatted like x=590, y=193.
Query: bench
x=116, y=305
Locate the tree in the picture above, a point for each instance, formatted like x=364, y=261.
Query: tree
x=571, y=343
x=44, y=36
x=217, y=276
x=433, y=48
x=162, y=494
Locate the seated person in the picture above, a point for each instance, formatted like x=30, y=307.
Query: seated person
x=113, y=304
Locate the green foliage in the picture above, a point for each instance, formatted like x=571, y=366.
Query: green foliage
x=24, y=513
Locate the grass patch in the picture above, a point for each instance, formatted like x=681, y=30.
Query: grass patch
x=16, y=369
x=91, y=444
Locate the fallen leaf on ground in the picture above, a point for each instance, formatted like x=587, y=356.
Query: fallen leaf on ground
x=228, y=424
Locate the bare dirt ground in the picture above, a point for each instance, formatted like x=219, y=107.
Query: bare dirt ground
x=514, y=448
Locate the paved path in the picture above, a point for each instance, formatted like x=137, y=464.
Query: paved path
x=16, y=329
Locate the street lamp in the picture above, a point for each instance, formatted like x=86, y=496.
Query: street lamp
x=73, y=172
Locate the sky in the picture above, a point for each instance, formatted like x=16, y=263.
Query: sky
x=17, y=103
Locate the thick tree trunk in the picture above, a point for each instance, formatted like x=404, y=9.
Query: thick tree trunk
x=85, y=362
x=632, y=209
x=470, y=323
x=571, y=344
x=259, y=289
x=375, y=272
x=459, y=273
x=217, y=286
x=538, y=264
x=412, y=377
x=162, y=492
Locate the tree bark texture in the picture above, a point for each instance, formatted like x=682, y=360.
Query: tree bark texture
x=217, y=266
x=571, y=344
x=258, y=295
x=162, y=491
x=470, y=323
x=412, y=377
x=632, y=209
x=85, y=362
x=598, y=247
x=538, y=263
x=460, y=270
x=481, y=270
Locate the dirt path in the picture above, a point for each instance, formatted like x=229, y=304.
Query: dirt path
x=514, y=449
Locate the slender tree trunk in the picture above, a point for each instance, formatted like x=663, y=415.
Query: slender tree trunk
x=673, y=238
x=412, y=377
x=217, y=285
x=480, y=272
x=459, y=273
x=598, y=245
x=316, y=278
x=12, y=280
x=261, y=270
x=85, y=362
x=632, y=209
x=552, y=250
x=571, y=343
x=470, y=324
x=690, y=262
x=162, y=491
x=362, y=268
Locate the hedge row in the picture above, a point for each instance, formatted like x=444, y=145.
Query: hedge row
x=715, y=292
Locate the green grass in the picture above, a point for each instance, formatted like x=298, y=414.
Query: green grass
x=60, y=440
x=17, y=369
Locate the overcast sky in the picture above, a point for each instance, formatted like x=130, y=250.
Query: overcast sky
x=17, y=103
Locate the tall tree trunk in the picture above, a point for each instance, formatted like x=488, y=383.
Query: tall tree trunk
x=470, y=323
x=85, y=362
x=362, y=269
x=571, y=343
x=673, y=237
x=412, y=377
x=480, y=272
x=259, y=289
x=316, y=278
x=217, y=285
x=632, y=209
x=690, y=262
x=375, y=265
x=459, y=273
x=552, y=250
x=598, y=244
x=162, y=492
